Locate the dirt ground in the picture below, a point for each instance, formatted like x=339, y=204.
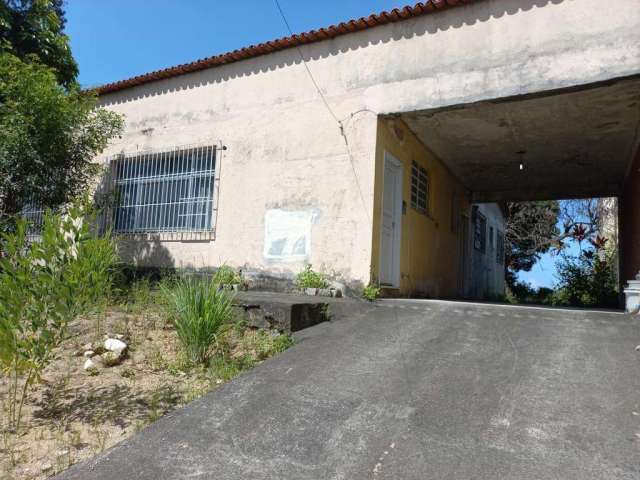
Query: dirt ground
x=72, y=415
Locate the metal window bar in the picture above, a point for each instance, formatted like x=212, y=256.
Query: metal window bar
x=34, y=215
x=165, y=191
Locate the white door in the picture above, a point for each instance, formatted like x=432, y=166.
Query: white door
x=391, y=222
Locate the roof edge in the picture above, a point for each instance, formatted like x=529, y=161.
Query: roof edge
x=312, y=36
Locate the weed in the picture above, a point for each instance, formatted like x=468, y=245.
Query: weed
x=309, y=278
x=156, y=359
x=371, y=292
x=226, y=275
x=199, y=312
x=101, y=436
x=221, y=369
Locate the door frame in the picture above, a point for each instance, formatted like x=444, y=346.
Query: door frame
x=397, y=164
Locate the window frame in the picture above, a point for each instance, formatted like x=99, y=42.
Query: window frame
x=480, y=232
x=166, y=186
x=419, y=178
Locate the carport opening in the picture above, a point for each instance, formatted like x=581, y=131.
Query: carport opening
x=562, y=156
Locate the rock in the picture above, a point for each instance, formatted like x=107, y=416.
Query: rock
x=90, y=366
x=336, y=292
x=114, y=345
x=45, y=467
x=311, y=291
x=88, y=354
x=110, y=358
x=637, y=348
x=324, y=292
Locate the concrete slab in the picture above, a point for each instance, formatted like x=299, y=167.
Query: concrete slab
x=413, y=390
x=290, y=312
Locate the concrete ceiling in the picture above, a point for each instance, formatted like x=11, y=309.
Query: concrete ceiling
x=572, y=144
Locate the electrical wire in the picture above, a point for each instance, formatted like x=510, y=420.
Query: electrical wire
x=331, y=112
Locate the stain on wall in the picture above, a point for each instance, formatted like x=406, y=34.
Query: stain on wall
x=287, y=234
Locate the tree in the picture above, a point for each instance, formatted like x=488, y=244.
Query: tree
x=49, y=136
x=535, y=228
x=36, y=27
x=530, y=231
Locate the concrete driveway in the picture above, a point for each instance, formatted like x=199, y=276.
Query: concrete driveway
x=414, y=390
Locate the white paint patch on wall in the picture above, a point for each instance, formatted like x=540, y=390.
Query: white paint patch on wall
x=287, y=234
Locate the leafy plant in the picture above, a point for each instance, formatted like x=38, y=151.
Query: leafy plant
x=226, y=275
x=371, y=292
x=43, y=286
x=309, y=278
x=200, y=311
x=586, y=280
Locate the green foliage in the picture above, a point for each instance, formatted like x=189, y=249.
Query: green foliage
x=521, y=292
x=199, y=311
x=49, y=137
x=531, y=228
x=36, y=27
x=226, y=275
x=43, y=286
x=371, y=292
x=309, y=278
x=586, y=280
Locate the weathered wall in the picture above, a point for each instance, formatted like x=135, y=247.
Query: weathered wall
x=630, y=224
x=285, y=149
x=429, y=245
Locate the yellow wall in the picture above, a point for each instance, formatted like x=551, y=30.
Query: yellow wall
x=429, y=248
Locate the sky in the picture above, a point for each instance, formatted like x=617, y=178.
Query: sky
x=117, y=39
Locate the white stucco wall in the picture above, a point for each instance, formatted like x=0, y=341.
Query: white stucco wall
x=285, y=152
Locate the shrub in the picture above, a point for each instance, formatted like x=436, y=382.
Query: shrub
x=43, y=286
x=586, y=280
x=371, y=292
x=199, y=312
x=308, y=278
x=226, y=275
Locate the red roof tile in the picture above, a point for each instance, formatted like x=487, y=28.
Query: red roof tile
x=363, y=23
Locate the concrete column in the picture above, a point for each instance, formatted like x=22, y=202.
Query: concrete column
x=630, y=223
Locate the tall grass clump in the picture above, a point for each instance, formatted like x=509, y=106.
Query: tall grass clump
x=199, y=312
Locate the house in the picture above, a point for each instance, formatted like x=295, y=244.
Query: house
x=378, y=149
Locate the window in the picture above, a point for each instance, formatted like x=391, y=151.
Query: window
x=491, y=238
x=480, y=232
x=34, y=215
x=500, y=248
x=419, y=188
x=165, y=191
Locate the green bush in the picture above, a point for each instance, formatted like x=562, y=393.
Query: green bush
x=371, y=292
x=43, y=286
x=199, y=311
x=226, y=275
x=309, y=278
x=586, y=280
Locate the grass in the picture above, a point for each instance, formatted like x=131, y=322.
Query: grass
x=199, y=312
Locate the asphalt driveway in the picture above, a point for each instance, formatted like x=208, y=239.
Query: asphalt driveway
x=414, y=390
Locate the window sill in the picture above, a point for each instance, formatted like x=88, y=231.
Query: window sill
x=170, y=236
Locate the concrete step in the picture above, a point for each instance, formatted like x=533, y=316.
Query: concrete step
x=284, y=312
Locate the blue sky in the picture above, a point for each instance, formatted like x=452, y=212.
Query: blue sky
x=117, y=39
